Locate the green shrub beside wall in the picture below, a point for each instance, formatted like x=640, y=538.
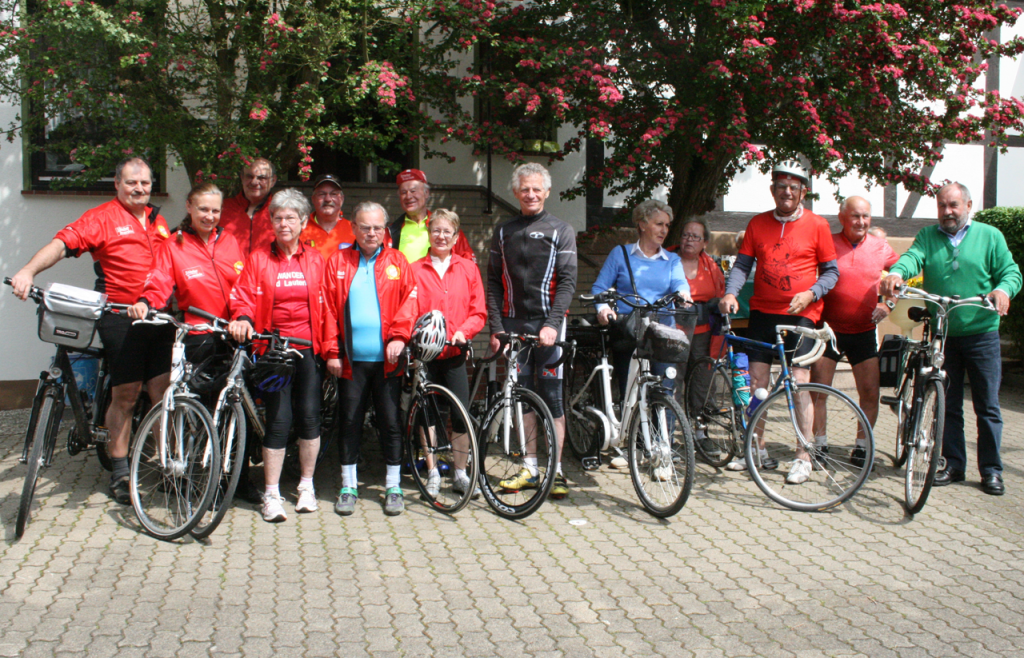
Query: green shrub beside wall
x=1011, y=222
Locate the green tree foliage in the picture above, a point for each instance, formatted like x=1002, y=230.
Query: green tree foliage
x=688, y=92
x=217, y=82
x=1011, y=222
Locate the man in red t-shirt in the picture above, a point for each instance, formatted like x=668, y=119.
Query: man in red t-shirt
x=246, y=216
x=327, y=229
x=852, y=310
x=796, y=267
x=122, y=235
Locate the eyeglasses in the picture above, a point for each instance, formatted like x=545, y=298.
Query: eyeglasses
x=331, y=193
x=248, y=178
x=441, y=233
x=290, y=219
x=691, y=237
x=370, y=229
x=794, y=188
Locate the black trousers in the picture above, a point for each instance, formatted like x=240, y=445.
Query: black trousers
x=298, y=403
x=368, y=381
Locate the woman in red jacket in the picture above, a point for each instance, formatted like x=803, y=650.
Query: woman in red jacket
x=447, y=282
x=280, y=289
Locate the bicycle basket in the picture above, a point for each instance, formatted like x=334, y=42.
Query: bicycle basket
x=586, y=335
x=665, y=335
x=68, y=315
x=891, y=357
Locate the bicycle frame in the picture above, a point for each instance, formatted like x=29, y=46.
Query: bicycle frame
x=236, y=390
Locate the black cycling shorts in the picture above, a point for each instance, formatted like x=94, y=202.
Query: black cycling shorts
x=135, y=352
x=762, y=328
x=857, y=347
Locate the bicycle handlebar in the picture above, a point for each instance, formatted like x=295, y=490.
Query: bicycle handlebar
x=822, y=338
x=569, y=347
x=219, y=326
x=947, y=303
x=612, y=295
x=36, y=294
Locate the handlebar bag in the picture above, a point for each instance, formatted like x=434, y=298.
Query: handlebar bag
x=68, y=315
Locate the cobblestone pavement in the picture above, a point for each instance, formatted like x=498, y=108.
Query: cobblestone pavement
x=731, y=575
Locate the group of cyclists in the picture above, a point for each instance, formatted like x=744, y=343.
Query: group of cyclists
x=355, y=288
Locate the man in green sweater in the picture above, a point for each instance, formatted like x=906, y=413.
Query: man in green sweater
x=961, y=257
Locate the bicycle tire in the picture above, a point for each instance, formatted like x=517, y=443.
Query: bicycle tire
x=662, y=476
x=43, y=440
x=904, y=424
x=835, y=476
x=497, y=465
x=581, y=429
x=925, y=447
x=231, y=423
x=170, y=501
x=715, y=413
x=431, y=422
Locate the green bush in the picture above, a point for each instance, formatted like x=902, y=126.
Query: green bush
x=1011, y=222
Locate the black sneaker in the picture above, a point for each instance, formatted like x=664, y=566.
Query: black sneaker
x=821, y=454
x=120, y=491
x=248, y=492
x=857, y=456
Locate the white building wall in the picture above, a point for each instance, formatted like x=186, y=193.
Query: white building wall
x=26, y=224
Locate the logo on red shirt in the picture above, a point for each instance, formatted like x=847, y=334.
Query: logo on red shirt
x=193, y=273
x=124, y=230
x=392, y=272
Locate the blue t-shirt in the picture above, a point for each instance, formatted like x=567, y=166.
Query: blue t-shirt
x=655, y=277
x=364, y=313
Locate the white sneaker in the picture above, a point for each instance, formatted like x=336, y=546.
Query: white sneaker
x=799, y=472
x=618, y=462
x=460, y=485
x=307, y=500
x=738, y=464
x=273, y=509
x=663, y=473
x=433, y=484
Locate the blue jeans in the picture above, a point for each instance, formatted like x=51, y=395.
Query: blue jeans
x=979, y=357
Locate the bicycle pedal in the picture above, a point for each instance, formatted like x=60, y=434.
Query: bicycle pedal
x=889, y=400
x=591, y=463
x=101, y=435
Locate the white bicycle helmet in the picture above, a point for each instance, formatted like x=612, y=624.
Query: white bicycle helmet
x=428, y=336
x=792, y=168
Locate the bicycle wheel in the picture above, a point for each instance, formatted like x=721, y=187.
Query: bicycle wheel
x=231, y=434
x=662, y=472
x=581, y=429
x=904, y=424
x=528, y=423
x=712, y=412
x=171, y=494
x=44, y=438
x=439, y=426
x=925, y=445
x=840, y=464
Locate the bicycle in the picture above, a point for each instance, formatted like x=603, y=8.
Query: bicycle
x=661, y=466
x=515, y=423
x=235, y=413
x=439, y=428
x=920, y=399
x=174, y=457
x=68, y=317
x=840, y=466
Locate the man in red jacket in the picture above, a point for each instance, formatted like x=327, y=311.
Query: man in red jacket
x=369, y=290
x=122, y=235
x=247, y=215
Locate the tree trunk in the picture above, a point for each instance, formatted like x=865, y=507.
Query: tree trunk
x=695, y=184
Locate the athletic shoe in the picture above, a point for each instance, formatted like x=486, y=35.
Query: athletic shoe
x=662, y=474
x=346, y=501
x=394, y=501
x=521, y=481
x=460, y=485
x=307, y=500
x=120, y=491
x=738, y=464
x=273, y=509
x=249, y=492
x=857, y=456
x=560, y=489
x=821, y=454
x=799, y=472
x=618, y=462
x=433, y=484
x=710, y=448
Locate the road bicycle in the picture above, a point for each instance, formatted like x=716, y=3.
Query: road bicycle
x=439, y=433
x=175, y=459
x=661, y=464
x=238, y=419
x=841, y=443
x=920, y=394
x=68, y=318
x=514, y=424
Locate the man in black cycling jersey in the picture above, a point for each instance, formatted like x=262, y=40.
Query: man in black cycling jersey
x=531, y=278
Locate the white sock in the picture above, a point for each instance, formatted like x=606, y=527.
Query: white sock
x=821, y=440
x=531, y=465
x=434, y=473
x=393, y=477
x=273, y=490
x=763, y=453
x=558, y=469
x=348, y=476
x=461, y=473
x=862, y=443
x=306, y=483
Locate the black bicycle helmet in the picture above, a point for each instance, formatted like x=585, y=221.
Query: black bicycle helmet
x=273, y=371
